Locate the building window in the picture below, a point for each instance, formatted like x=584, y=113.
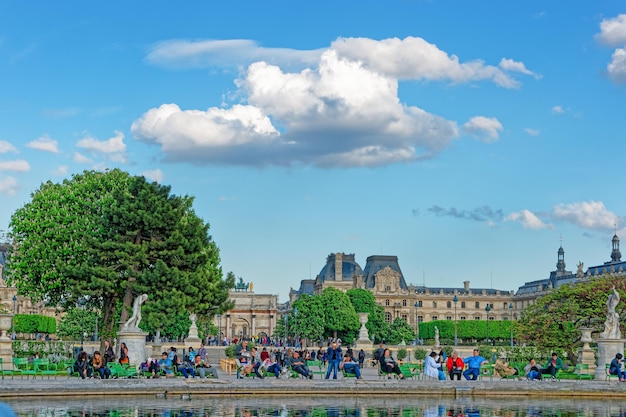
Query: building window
x=387, y=288
x=505, y=318
x=420, y=319
x=462, y=304
x=433, y=318
x=462, y=317
x=387, y=303
x=477, y=304
x=492, y=318
x=477, y=318
x=449, y=304
x=405, y=318
x=419, y=303
x=403, y=303
x=388, y=317
x=506, y=305
x=434, y=304
x=449, y=318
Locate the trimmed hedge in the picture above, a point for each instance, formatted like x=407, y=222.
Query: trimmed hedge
x=34, y=323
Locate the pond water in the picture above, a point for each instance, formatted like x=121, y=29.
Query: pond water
x=317, y=407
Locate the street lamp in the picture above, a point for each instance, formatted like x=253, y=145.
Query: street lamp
x=511, y=321
x=81, y=304
x=295, y=322
x=13, y=318
x=488, y=309
x=456, y=339
x=417, y=325
x=286, y=328
x=219, y=330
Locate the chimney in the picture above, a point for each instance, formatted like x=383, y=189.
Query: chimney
x=466, y=285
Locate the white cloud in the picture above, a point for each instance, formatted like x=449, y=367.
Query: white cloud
x=153, y=175
x=415, y=58
x=486, y=129
x=82, y=159
x=61, y=113
x=8, y=186
x=532, y=132
x=587, y=214
x=18, y=165
x=342, y=109
x=558, y=110
x=613, y=31
x=61, y=170
x=528, y=220
x=224, y=53
x=617, y=67
x=6, y=147
x=44, y=143
x=113, y=148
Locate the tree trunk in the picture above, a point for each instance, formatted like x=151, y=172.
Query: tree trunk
x=108, y=320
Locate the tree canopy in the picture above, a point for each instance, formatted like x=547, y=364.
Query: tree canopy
x=553, y=322
x=106, y=237
x=365, y=302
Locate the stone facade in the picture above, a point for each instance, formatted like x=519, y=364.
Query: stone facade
x=252, y=315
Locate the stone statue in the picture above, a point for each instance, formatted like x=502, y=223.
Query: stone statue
x=611, y=325
x=193, y=317
x=132, y=324
x=436, y=336
x=579, y=271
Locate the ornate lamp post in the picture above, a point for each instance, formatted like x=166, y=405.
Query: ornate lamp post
x=456, y=339
x=219, y=330
x=417, y=325
x=488, y=309
x=511, y=321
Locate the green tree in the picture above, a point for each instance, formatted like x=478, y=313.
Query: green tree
x=339, y=316
x=552, y=322
x=364, y=301
x=400, y=331
x=75, y=321
x=107, y=237
x=309, y=322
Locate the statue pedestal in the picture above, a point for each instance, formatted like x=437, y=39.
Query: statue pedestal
x=364, y=342
x=193, y=339
x=6, y=344
x=136, y=343
x=607, y=349
x=586, y=355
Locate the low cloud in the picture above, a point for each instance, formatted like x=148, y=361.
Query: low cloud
x=613, y=33
x=532, y=132
x=486, y=129
x=82, y=159
x=154, y=175
x=558, y=110
x=479, y=214
x=113, y=148
x=18, y=165
x=6, y=147
x=44, y=143
x=588, y=214
x=339, y=108
x=8, y=186
x=61, y=171
x=528, y=220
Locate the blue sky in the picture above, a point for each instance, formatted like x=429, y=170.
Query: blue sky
x=468, y=138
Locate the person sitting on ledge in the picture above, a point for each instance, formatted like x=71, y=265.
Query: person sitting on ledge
x=474, y=363
x=617, y=367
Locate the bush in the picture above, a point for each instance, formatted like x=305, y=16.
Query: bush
x=420, y=354
x=401, y=354
x=34, y=323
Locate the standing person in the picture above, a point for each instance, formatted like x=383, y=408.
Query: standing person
x=109, y=354
x=361, y=358
x=379, y=352
x=334, y=358
x=474, y=363
x=552, y=366
x=617, y=367
x=124, y=354
x=432, y=367
x=455, y=366
x=202, y=351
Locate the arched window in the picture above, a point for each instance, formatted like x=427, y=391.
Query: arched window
x=388, y=317
x=449, y=304
x=387, y=302
x=462, y=304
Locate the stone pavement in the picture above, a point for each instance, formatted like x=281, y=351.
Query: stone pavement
x=370, y=385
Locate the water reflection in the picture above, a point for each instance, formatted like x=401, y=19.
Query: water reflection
x=318, y=407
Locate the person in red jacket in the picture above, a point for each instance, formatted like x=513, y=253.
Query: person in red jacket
x=455, y=365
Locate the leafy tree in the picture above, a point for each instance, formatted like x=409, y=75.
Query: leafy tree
x=364, y=301
x=400, y=331
x=107, y=237
x=339, y=316
x=309, y=322
x=552, y=322
x=75, y=321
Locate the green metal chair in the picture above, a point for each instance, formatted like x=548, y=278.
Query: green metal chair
x=23, y=367
x=44, y=367
x=6, y=371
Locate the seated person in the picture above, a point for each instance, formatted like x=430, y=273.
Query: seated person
x=183, y=367
x=553, y=365
x=271, y=366
x=473, y=363
x=151, y=366
x=298, y=365
x=81, y=365
x=97, y=363
x=165, y=364
x=432, y=367
x=257, y=362
x=244, y=360
x=533, y=371
x=617, y=367
x=455, y=366
x=350, y=366
x=203, y=368
x=388, y=364
x=503, y=369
